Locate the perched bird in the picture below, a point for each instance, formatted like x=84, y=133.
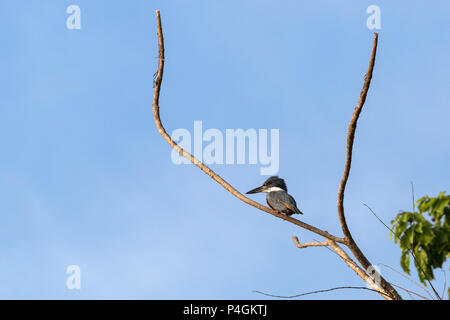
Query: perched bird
x=277, y=197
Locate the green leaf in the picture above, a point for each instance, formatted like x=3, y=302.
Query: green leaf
x=404, y=240
x=419, y=227
x=427, y=235
x=404, y=262
x=423, y=204
x=421, y=265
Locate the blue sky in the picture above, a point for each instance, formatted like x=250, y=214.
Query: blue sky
x=85, y=178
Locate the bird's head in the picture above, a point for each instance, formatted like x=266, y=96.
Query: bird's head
x=272, y=184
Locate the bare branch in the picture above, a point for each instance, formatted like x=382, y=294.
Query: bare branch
x=406, y=290
x=360, y=272
x=410, y=250
x=409, y=292
x=408, y=278
x=351, y=138
x=445, y=284
x=384, y=224
x=412, y=246
x=350, y=242
x=307, y=244
x=156, y=116
x=387, y=290
x=317, y=291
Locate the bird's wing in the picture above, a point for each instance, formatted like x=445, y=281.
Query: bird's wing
x=282, y=201
x=291, y=204
x=277, y=200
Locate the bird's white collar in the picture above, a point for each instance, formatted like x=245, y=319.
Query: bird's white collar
x=272, y=189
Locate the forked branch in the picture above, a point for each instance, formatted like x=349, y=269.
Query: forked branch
x=386, y=289
x=360, y=272
x=307, y=244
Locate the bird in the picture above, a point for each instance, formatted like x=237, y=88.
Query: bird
x=277, y=197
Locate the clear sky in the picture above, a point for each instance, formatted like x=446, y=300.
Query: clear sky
x=86, y=180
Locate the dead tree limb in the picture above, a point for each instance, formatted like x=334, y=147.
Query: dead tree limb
x=409, y=279
x=387, y=289
x=349, y=241
x=359, y=271
x=313, y=292
x=307, y=244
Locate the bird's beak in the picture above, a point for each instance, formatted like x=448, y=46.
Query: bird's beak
x=256, y=190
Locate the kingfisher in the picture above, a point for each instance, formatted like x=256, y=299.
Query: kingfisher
x=277, y=197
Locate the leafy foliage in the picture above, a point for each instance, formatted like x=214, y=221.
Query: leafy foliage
x=428, y=240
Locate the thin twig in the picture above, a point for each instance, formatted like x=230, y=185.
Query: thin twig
x=406, y=290
x=408, y=278
x=378, y=217
x=409, y=291
x=341, y=253
x=412, y=245
x=359, y=271
x=308, y=244
x=410, y=250
x=317, y=291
